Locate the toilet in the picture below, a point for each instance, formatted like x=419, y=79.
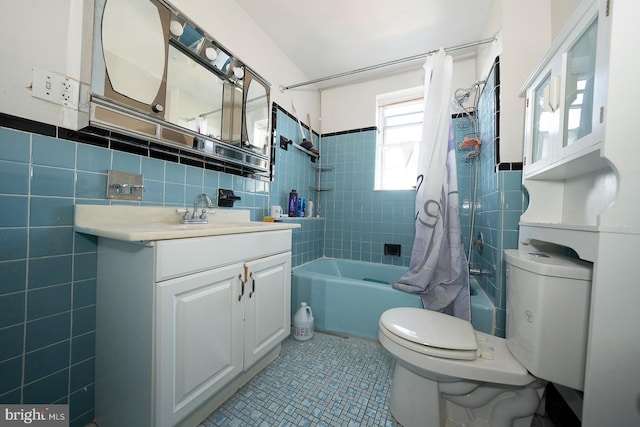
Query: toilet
x=449, y=375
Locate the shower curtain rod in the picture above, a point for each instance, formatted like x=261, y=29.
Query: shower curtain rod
x=394, y=62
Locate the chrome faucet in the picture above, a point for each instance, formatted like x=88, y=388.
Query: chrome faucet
x=195, y=218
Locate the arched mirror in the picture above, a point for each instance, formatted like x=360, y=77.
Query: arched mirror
x=135, y=48
x=256, y=113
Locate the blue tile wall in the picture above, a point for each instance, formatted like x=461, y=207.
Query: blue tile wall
x=308, y=241
x=48, y=287
x=466, y=165
x=360, y=220
x=295, y=170
x=501, y=201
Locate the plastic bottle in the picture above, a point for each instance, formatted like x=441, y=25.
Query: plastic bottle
x=303, y=323
x=309, y=210
x=293, y=203
x=301, y=206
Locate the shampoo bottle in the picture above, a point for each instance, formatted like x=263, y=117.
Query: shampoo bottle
x=309, y=209
x=293, y=203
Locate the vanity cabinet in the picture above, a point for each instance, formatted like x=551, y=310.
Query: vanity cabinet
x=199, y=331
x=182, y=324
x=565, y=101
x=267, y=306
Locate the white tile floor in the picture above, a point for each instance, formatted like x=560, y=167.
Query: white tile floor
x=326, y=381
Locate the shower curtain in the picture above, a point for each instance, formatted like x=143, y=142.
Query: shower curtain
x=438, y=268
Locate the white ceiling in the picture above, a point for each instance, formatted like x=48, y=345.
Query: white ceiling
x=327, y=37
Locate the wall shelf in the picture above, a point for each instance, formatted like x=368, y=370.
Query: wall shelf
x=295, y=218
x=285, y=142
x=582, y=238
x=312, y=156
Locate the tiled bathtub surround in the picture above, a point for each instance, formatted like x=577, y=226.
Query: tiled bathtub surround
x=500, y=202
x=307, y=241
x=360, y=220
x=294, y=170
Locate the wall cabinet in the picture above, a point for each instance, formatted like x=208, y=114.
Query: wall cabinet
x=178, y=321
x=565, y=169
x=595, y=212
x=565, y=102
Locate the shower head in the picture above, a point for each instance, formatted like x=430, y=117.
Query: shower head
x=459, y=97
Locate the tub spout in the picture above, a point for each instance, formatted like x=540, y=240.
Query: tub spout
x=475, y=271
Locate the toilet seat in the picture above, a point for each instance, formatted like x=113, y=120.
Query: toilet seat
x=492, y=361
x=437, y=334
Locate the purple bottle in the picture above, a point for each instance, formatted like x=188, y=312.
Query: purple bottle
x=293, y=203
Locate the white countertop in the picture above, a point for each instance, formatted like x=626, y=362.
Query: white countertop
x=141, y=223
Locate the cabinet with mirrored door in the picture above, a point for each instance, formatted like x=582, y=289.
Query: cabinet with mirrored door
x=566, y=102
x=157, y=75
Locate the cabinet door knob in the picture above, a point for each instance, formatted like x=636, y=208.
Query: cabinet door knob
x=158, y=108
x=241, y=287
x=253, y=285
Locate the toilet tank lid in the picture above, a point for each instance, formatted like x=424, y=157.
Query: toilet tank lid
x=430, y=328
x=549, y=264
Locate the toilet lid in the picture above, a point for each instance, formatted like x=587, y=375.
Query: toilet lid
x=434, y=330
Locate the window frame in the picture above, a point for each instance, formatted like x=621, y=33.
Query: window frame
x=384, y=102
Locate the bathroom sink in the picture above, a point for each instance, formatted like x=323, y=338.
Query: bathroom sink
x=188, y=227
x=135, y=223
x=215, y=225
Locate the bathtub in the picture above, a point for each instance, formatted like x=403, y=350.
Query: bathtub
x=348, y=297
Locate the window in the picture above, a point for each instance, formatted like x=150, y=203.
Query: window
x=400, y=116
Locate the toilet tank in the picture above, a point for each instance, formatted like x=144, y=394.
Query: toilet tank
x=548, y=299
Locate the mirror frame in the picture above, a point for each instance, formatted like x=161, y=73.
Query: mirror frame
x=160, y=98
x=240, y=158
x=249, y=78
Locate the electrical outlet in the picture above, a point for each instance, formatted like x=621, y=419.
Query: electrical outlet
x=55, y=88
